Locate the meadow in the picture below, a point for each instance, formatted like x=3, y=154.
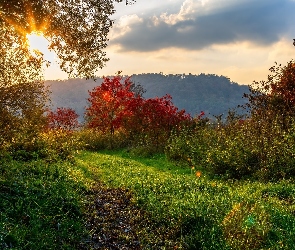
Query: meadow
x=137, y=173
x=43, y=204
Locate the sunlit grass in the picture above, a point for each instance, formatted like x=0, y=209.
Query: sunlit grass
x=42, y=204
x=204, y=213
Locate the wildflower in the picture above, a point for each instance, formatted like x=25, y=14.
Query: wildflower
x=193, y=167
x=198, y=174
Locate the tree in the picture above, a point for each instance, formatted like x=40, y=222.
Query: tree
x=23, y=96
x=153, y=119
x=77, y=30
x=117, y=104
x=274, y=99
x=63, y=118
x=109, y=104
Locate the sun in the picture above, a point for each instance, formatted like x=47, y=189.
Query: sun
x=37, y=43
x=28, y=23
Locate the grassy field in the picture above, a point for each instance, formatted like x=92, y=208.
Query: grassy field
x=42, y=204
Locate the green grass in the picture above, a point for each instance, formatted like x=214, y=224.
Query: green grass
x=41, y=204
x=204, y=213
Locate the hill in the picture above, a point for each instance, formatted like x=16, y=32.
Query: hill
x=210, y=93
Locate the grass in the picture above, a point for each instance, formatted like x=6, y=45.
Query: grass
x=203, y=213
x=42, y=204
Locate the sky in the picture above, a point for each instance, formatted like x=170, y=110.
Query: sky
x=239, y=39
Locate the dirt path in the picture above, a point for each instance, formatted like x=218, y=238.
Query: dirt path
x=116, y=223
x=112, y=219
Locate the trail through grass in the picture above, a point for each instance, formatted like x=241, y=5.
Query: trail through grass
x=203, y=213
x=43, y=205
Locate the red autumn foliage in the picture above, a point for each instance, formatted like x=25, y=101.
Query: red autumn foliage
x=285, y=85
x=114, y=105
x=274, y=99
x=63, y=118
x=108, y=104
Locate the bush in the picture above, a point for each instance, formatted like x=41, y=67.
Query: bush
x=189, y=145
x=246, y=226
x=51, y=145
x=92, y=139
x=237, y=149
x=260, y=146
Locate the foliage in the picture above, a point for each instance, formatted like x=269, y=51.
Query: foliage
x=50, y=145
x=273, y=100
x=58, y=144
x=259, y=145
x=75, y=29
x=63, y=118
x=23, y=96
x=188, y=144
x=92, y=139
x=153, y=120
x=109, y=104
x=116, y=106
x=211, y=93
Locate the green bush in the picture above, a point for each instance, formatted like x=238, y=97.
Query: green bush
x=51, y=145
x=238, y=149
x=233, y=154
x=190, y=144
x=92, y=139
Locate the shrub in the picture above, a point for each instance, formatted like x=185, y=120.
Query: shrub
x=92, y=139
x=58, y=143
x=63, y=118
x=117, y=106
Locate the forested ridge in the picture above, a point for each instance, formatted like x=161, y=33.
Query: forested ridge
x=210, y=93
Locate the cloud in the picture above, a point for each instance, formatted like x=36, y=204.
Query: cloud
x=123, y=26
x=202, y=23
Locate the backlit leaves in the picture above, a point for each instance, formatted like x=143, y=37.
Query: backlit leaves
x=77, y=29
x=117, y=105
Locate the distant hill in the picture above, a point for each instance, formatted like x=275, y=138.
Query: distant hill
x=210, y=93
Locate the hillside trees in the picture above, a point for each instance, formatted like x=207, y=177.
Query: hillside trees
x=116, y=105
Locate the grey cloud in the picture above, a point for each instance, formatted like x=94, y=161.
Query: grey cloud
x=261, y=22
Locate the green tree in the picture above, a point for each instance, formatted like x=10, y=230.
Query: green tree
x=23, y=97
